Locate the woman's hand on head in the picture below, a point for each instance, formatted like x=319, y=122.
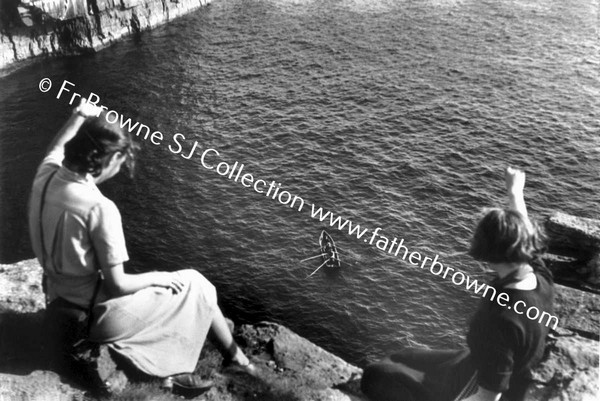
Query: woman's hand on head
x=86, y=109
x=515, y=180
x=71, y=127
x=169, y=280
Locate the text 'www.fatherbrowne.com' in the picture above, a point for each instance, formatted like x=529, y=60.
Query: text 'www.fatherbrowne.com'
x=397, y=248
x=210, y=159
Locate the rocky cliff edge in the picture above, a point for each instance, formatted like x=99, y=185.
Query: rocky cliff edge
x=31, y=29
x=292, y=368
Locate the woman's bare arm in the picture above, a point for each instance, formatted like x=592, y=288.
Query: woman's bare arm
x=515, y=186
x=120, y=283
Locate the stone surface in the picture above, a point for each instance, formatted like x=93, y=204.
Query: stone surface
x=577, y=235
x=295, y=367
x=290, y=367
x=37, y=385
x=578, y=311
x=296, y=357
x=571, y=373
x=574, y=251
x=21, y=287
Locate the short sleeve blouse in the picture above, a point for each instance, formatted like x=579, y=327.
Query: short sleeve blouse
x=82, y=231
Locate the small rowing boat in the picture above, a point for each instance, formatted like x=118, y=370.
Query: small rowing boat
x=329, y=253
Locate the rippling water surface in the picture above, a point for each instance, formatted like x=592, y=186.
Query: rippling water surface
x=399, y=115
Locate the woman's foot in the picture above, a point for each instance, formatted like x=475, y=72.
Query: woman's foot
x=247, y=368
x=239, y=363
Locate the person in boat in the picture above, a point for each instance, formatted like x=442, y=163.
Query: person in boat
x=157, y=321
x=502, y=345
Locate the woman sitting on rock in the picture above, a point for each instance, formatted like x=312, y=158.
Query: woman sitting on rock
x=503, y=344
x=158, y=321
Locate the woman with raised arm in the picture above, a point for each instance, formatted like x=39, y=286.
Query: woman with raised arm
x=158, y=321
x=503, y=343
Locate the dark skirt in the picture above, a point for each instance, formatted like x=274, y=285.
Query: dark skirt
x=421, y=375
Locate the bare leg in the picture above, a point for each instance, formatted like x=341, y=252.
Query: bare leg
x=222, y=335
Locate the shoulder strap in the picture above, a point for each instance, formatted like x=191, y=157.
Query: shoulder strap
x=42, y=244
x=44, y=277
x=92, y=303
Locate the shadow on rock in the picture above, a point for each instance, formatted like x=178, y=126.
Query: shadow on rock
x=21, y=343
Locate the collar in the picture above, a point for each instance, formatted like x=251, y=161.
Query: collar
x=513, y=277
x=71, y=176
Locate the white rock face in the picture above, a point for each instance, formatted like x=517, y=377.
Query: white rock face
x=67, y=27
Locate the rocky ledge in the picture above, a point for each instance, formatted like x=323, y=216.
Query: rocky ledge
x=30, y=29
x=291, y=367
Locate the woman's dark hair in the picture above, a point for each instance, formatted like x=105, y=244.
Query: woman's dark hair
x=504, y=236
x=94, y=142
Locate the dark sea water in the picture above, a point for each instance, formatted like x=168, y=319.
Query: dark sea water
x=394, y=114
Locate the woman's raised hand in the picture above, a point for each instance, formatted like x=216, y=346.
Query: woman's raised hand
x=169, y=280
x=515, y=180
x=515, y=185
x=86, y=109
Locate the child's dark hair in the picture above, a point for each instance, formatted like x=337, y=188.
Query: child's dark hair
x=504, y=236
x=95, y=141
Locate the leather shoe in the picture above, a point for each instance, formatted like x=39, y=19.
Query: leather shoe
x=187, y=384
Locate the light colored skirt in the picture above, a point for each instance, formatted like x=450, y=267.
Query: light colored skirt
x=160, y=332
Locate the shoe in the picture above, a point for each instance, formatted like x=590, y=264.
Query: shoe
x=186, y=384
x=237, y=368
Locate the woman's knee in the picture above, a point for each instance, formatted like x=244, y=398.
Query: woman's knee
x=205, y=288
x=385, y=381
x=376, y=381
x=190, y=274
x=370, y=380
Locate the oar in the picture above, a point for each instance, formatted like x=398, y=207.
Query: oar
x=312, y=257
x=317, y=269
x=348, y=257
